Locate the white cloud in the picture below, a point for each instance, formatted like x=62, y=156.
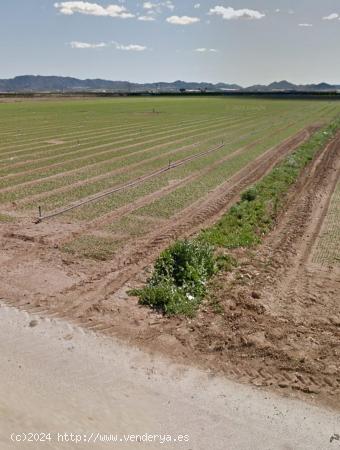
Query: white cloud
x=206, y=50
x=116, y=45
x=232, y=14
x=332, y=16
x=197, y=5
x=85, y=45
x=157, y=7
x=183, y=20
x=146, y=18
x=130, y=47
x=306, y=25
x=93, y=9
x=150, y=5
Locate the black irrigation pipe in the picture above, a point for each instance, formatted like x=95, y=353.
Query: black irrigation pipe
x=130, y=184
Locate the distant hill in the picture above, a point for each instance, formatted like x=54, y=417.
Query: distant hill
x=32, y=83
x=286, y=86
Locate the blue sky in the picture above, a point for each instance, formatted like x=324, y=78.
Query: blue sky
x=247, y=42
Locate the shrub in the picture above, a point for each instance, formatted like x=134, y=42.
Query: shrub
x=178, y=283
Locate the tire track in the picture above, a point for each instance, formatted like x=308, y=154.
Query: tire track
x=302, y=206
x=300, y=301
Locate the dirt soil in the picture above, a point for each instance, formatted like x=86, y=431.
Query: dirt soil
x=56, y=378
x=275, y=321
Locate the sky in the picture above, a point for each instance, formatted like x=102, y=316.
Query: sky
x=234, y=41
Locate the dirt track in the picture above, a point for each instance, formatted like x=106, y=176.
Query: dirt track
x=57, y=379
x=278, y=315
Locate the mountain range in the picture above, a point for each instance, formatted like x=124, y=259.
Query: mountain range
x=34, y=83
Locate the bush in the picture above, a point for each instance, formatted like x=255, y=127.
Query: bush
x=178, y=283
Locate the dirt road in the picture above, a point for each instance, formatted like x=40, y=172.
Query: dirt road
x=56, y=378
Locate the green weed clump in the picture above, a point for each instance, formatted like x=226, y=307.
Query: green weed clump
x=254, y=215
x=179, y=281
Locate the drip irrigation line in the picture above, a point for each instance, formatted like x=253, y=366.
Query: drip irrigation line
x=130, y=184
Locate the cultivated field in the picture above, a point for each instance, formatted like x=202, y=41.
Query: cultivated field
x=118, y=180
x=58, y=154
x=327, y=250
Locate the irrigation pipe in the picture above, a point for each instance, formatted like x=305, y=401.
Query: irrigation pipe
x=130, y=184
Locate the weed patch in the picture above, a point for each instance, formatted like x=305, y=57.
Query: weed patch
x=178, y=283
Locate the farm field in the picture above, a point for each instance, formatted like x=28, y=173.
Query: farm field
x=55, y=155
x=118, y=180
x=327, y=251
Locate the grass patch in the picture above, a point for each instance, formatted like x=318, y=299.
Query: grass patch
x=93, y=247
x=254, y=215
x=178, y=283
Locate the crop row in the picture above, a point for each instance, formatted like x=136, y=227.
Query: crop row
x=327, y=250
x=102, y=149
x=169, y=205
x=87, y=125
x=218, y=172
x=92, y=133
x=60, y=199
x=61, y=119
x=100, y=162
x=101, y=142
x=149, y=161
